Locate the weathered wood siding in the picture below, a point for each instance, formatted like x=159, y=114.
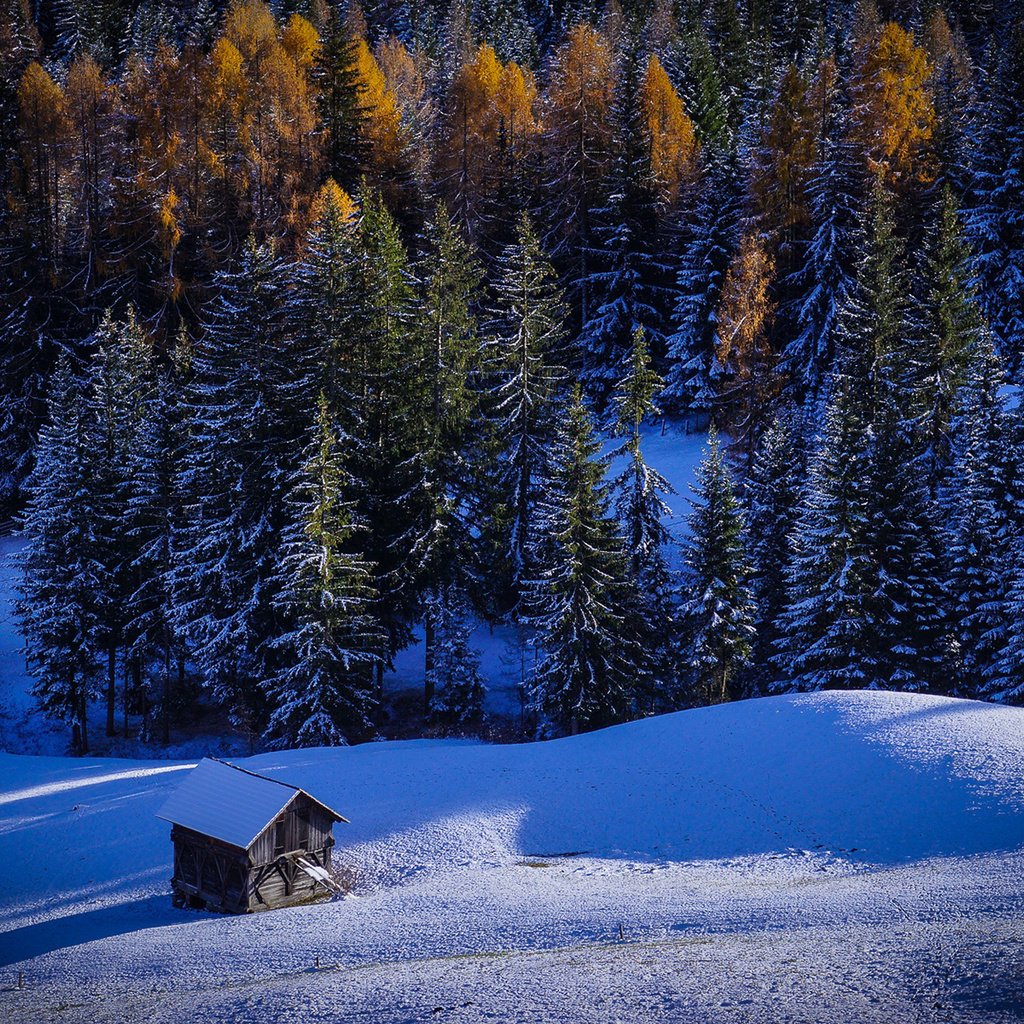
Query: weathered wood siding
x=302, y=827
x=262, y=877
x=209, y=870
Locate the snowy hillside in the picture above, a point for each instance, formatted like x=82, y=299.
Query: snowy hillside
x=840, y=857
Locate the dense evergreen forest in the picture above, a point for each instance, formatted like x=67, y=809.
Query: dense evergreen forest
x=319, y=324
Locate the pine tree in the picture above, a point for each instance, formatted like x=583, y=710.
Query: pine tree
x=708, y=243
x=323, y=306
x=995, y=221
x=451, y=280
x=825, y=282
x=979, y=534
x=717, y=610
x=629, y=277
x=640, y=505
x=825, y=633
x=706, y=93
x=456, y=685
x=392, y=405
x=907, y=604
x=772, y=498
x=591, y=670
x=243, y=436
x=340, y=100
x=901, y=528
x=121, y=388
x=155, y=519
x=523, y=367
x=952, y=328
x=57, y=602
x=323, y=692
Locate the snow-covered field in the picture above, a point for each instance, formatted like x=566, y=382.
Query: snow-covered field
x=839, y=857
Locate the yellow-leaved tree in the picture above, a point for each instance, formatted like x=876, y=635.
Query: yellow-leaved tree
x=579, y=136
x=672, y=143
x=749, y=380
x=893, y=111
x=42, y=121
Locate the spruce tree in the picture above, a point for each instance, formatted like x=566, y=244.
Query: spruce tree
x=57, y=605
x=456, y=684
x=323, y=691
x=825, y=633
x=979, y=534
x=591, y=669
x=772, y=498
x=707, y=97
x=709, y=242
x=323, y=307
x=526, y=379
x=825, y=282
x=451, y=279
x=629, y=280
x=640, y=505
x=155, y=518
x=121, y=389
x=951, y=333
x=243, y=439
x=995, y=221
x=717, y=609
x=340, y=94
x=392, y=406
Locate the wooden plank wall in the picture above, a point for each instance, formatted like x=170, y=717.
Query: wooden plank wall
x=305, y=827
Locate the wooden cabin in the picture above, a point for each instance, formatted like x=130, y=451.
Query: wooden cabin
x=245, y=842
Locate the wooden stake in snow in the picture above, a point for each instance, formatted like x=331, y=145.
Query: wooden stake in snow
x=21, y=979
x=622, y=934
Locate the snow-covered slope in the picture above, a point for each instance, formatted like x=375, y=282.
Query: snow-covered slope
x=861, y=832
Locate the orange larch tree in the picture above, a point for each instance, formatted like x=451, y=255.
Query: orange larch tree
x=782, y=166
x=743, y=348
x=579, y=137
x=671, y=141
x=893, y=111
x=43, y=120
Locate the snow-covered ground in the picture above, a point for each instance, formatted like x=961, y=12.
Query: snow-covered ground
x=838, y=857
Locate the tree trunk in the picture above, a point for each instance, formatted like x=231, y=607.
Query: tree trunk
x=165, y=703
x=83, y=715
x=430, y=640
x=136, y=689
x=111, y=687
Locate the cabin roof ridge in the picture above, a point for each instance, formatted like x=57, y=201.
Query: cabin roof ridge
x=238, y=814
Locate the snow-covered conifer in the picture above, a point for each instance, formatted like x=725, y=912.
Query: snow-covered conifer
x=242, y=442
x=825, y=639
x=772, y=498
x=456, y=684
x=57, y=601
x=121, y=389
x=709, y=240
x=717, y=609
x=523, y=365
x=323, y=691
x=592, y=670
x=640, y=505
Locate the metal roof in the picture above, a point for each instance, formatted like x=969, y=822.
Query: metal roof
x=230, y=803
